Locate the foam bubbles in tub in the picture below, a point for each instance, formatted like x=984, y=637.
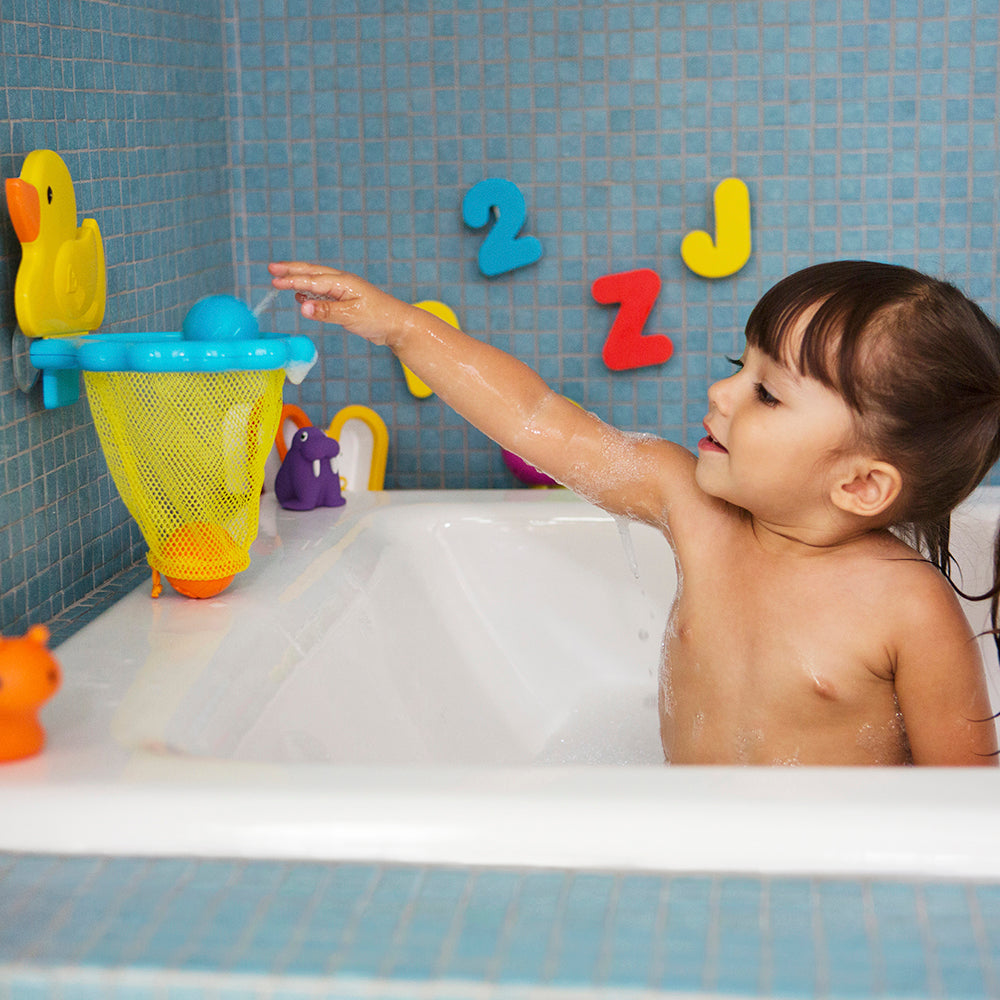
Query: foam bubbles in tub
x=296, y=371
x=614, y=727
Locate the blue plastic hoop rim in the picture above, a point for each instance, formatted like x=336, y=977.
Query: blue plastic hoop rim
x=171, y=352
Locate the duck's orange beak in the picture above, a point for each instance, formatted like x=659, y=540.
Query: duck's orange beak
x=25, y=209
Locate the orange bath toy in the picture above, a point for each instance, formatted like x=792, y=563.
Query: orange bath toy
x=208, y=549
x=29, y=676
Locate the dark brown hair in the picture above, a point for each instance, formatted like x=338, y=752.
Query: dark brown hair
x=918, y=363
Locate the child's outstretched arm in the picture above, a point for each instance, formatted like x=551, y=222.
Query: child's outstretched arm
x=497, y=393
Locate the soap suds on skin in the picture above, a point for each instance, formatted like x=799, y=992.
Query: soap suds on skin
x=884, y=741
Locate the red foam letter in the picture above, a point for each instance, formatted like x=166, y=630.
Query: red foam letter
x=627, y=346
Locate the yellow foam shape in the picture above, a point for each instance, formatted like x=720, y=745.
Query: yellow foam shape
x=371, y=438
x=417, y=386
x=61, y=282
x=730, y=249
x=414, y=383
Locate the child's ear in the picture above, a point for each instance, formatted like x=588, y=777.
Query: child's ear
x=869, y=488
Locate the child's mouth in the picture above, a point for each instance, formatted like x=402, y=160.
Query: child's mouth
x=709, y=443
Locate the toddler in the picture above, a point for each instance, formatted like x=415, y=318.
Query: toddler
x=807, y=627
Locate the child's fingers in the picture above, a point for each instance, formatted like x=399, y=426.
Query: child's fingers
x=297, y=267
x=313, y=281
x=327, y=295
x=301, y=269
x=301, y=278
x=323, y=310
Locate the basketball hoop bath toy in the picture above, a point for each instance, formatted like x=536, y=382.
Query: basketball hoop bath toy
x=185, y=418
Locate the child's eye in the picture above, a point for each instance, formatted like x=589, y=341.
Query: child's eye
x=735, y=361
x=764, y=396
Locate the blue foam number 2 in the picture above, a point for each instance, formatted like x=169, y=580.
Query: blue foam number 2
x=503, y=249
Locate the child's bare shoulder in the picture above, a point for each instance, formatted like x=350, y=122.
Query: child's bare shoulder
x=937, y=670
x=921, y=601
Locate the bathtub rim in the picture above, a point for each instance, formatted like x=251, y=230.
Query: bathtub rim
x=930, y=823
x=937, y=823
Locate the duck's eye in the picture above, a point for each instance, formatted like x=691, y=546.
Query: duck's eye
x=49, y=195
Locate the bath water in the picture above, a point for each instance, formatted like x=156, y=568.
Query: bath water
x=265, y=303
x=627, y=544
x=628, y=547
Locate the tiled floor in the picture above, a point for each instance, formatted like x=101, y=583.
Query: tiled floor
x=80, y=927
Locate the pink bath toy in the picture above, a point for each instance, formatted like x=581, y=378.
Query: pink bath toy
x=526, y=472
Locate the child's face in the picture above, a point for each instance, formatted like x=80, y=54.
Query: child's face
x=773, y=441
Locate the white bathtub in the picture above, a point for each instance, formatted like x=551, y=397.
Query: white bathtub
x=455, y=677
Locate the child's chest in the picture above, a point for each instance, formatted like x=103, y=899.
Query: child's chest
x=769, y=611
x=759, y=640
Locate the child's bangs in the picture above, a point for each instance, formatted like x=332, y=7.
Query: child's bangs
x=811, y=348
x=837, y=303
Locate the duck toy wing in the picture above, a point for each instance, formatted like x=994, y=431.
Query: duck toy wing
x=60, y=286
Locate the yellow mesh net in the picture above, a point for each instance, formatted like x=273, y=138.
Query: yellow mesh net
x=186, y=451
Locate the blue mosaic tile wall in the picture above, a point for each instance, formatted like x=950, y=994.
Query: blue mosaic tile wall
x=131, y=96
x=206, y=142
x=862, y=128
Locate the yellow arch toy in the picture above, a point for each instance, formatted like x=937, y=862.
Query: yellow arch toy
x=364, y=440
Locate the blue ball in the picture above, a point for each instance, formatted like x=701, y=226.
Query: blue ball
x=220, y=317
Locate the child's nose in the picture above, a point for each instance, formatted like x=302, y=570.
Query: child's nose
x=720, y=394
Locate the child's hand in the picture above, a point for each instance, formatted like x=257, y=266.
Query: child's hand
x=332, y=296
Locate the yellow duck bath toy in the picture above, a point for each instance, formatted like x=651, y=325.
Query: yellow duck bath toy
x=60, y=287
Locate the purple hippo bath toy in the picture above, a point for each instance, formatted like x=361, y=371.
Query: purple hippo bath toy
x=307, y=477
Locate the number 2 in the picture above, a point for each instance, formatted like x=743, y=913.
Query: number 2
x=503, y=249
